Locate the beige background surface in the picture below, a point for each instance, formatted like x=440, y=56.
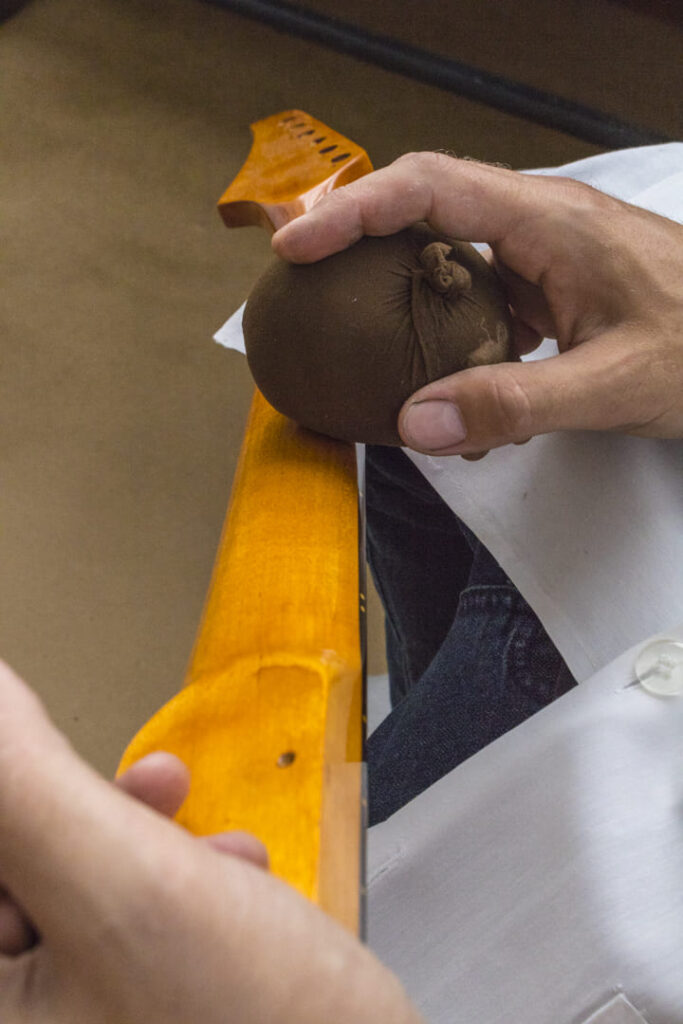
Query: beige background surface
x=120, y=420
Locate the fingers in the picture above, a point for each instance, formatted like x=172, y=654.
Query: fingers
x=471, y=201
x=529, y=304
x=240, y=844
x=596, y=386
x=65, y=832
x=75, y=850
x=524, y=338
x=159, y=780
x=141, y=922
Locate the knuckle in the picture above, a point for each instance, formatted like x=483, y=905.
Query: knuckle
x=337, y=198
x=511, y=408
x=426, y=162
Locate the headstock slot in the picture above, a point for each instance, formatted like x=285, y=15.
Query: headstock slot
x=284, y=174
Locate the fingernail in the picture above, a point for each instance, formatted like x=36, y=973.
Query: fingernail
x=433, y=425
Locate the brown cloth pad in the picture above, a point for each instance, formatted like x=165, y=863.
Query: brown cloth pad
x=340, y=345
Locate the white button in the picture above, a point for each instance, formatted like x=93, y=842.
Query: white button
x=659, y=667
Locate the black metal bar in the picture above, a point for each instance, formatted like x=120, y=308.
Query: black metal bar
x=475, y=84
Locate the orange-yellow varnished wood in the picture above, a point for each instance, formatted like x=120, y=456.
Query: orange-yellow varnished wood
x=269, y=720
x=294, y=160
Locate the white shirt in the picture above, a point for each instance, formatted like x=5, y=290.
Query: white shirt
x=544, y=876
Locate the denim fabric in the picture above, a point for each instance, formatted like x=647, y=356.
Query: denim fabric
x=468, y=658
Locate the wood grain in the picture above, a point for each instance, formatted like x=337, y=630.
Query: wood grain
x=270, y=719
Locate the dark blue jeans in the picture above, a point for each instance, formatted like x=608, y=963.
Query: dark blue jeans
x=468, y=659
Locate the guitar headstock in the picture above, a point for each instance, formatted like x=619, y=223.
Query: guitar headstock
x=294, y=160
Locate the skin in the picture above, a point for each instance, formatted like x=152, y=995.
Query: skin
x=112, y=914
x=600, y=276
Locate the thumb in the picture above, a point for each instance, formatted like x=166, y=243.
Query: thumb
x=591, y=387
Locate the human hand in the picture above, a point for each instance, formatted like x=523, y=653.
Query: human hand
x=139, y=921
x=602, y=277
x=161, y=781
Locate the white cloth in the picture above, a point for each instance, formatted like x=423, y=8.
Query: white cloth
x=231, y=335
x=545, y=874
